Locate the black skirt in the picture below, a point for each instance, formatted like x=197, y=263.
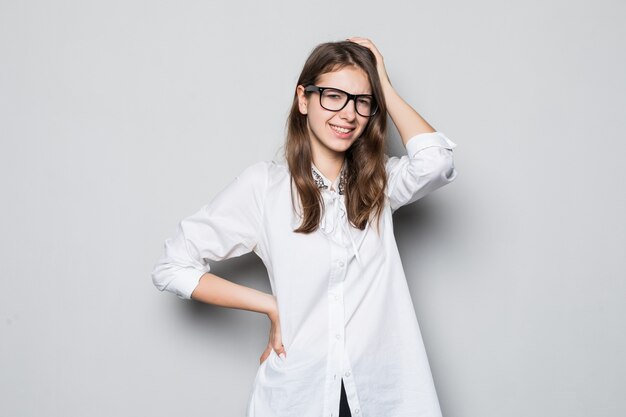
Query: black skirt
x=344, y=410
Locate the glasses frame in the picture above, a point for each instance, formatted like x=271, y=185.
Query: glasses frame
x=314, y=88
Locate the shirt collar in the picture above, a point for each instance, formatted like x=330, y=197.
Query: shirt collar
x=322, y=182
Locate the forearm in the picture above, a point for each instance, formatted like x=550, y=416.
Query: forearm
x=212, y=289
x=408, y=122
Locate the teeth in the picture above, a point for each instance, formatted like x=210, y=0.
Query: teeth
x=340, y=129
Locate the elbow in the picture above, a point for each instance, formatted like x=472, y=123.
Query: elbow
x=438, y=169
x=434, y=171
x=158, y=278
x=446, y=171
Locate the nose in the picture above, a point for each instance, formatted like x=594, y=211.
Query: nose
x=349, y=110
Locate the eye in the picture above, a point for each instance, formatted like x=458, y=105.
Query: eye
x=334, y=95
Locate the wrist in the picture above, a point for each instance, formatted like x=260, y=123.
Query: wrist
x=272, y=309
x=385, y=83
x=388, y=90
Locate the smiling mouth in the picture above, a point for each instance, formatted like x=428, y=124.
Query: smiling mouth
x=341, y=130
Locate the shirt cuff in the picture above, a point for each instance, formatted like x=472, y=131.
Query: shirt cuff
x=185, y=282
x=425, y=140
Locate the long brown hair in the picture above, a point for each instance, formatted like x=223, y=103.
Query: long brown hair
x=366, y=178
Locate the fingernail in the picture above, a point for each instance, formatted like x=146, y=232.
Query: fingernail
x=282, y=355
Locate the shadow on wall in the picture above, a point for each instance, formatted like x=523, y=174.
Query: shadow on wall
x=229, y=324
x=416, y=225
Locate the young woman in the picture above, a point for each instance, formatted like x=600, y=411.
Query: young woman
x=344, y=339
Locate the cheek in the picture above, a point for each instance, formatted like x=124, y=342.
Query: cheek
x=363, y=125
x=314, y=121
x=317, y=120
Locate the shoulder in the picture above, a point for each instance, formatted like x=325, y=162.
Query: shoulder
x=255, y=172
x=277, y=171
x=259, y=173
x=262, y=174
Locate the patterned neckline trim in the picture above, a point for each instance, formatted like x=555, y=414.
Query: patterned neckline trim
x=322, y=182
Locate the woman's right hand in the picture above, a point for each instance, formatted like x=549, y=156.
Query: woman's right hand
x=380, y=61
x=275, y=340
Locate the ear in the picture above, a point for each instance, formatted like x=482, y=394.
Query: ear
x=302, y=100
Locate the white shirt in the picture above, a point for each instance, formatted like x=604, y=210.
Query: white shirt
x=343, y=300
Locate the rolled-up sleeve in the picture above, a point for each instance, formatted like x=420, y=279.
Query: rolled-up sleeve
x=427, y=166
x=228, y=226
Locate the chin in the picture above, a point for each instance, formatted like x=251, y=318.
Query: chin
x=341, y=146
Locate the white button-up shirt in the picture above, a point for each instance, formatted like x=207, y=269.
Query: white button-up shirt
x=343, y=300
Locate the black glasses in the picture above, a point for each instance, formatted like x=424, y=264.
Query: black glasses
x=334, y=99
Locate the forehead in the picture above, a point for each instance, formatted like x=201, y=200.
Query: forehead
x=351, y=79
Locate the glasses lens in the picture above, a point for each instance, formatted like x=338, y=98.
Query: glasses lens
x=366, y=106
x=335, y=100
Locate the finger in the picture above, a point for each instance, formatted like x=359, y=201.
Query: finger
x=266, y=352
x=280, y=350
x=366, y=44
x=360, y=40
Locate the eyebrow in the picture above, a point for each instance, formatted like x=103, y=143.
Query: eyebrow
x=358, y=94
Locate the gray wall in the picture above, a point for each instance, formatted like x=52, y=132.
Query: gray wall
x=119, y=118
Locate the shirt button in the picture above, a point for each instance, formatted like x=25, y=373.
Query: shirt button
x=356, y=410
x=336, y=297
x=337, y=335
x=341, y=264
x=347, y=373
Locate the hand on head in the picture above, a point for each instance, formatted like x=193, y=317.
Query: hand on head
x=380, y=62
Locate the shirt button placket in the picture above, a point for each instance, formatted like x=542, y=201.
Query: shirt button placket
x=336, y=323
x=351, y=394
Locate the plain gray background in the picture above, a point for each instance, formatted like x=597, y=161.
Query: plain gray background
x=120, y=118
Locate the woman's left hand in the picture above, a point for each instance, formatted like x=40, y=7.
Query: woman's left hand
x=380, y=62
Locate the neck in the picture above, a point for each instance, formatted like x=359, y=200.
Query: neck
x=329, y=165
